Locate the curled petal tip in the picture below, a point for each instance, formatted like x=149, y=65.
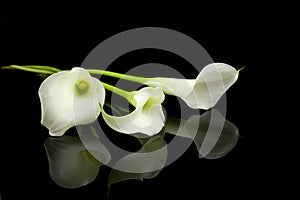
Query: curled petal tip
x=147, y=118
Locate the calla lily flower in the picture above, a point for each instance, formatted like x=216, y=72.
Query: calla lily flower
x=70, y=98
x=147, y=118
x=202, y=92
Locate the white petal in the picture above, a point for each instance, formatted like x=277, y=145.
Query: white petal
x=147, y=118
x=63, y=107
x=202, y=92
x=177, y=87
x=211, y=84
x=70, y=165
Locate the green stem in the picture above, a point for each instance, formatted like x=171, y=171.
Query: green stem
x=52, y=70
x=241, y=69
x=42, y=67
x=112, y=108
x=136, y=79
x=127, y=95
x=30, y=69
x=172, y=125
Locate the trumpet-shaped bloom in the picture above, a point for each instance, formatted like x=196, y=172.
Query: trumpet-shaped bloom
x=202, y=92
x=147, y=118
x=69, y=99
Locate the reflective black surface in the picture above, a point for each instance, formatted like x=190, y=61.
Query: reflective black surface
x=24, y=167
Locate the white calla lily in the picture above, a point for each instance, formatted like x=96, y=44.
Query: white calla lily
x=70, y=98
x=202, y=92
x=147, y=118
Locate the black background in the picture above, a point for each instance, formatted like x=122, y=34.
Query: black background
x=62, y=36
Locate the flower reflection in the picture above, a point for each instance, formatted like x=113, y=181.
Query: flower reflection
x=211, y=144
x=72, y=164
x=145, y=166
